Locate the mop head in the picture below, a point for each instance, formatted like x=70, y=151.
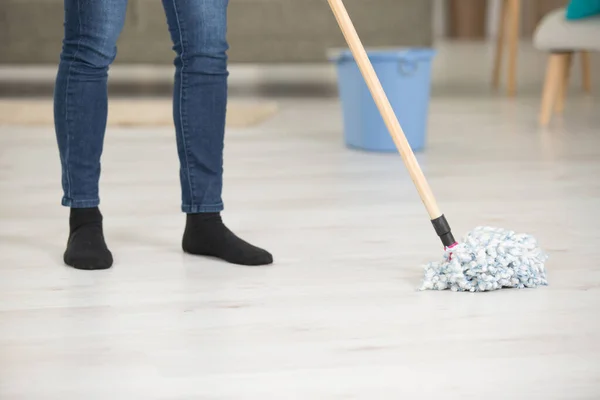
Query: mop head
x=488, y=259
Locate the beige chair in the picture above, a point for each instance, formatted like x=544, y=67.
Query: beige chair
x=509, y=21
x=561, y=39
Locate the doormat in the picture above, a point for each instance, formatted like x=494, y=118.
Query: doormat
x=132, y=112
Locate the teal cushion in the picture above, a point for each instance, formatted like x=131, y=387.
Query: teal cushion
x=579, y=9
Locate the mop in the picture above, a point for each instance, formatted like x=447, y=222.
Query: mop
x=487, y=258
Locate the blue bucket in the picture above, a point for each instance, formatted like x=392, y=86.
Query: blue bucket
x=406, y=79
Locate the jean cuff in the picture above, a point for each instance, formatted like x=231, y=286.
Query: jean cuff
x=194, y=209
x=88, y=203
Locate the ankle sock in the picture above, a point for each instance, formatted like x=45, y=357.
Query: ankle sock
x=205, y=234
x=86, y=247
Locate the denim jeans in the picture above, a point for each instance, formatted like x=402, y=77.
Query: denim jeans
x=198, y=31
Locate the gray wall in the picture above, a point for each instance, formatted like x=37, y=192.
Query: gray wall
x=260, y=31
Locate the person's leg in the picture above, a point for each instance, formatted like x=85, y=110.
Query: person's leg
x=91, y=29
x=198, y=29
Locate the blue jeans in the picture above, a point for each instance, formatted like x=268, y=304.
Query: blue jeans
x=198, y=31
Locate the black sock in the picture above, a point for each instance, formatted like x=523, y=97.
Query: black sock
x=205, y=234
x=86, y=248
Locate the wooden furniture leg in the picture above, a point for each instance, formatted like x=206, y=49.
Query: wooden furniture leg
x=554, y=80
x=502, y=22
x=586, y=72
x=514, y=11
x=559, y=104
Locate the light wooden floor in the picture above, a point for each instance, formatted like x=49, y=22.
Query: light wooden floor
x=338, y=315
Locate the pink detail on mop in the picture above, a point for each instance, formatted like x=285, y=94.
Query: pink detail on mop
x=450, y=248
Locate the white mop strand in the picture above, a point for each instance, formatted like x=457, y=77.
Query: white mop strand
x=488, y=259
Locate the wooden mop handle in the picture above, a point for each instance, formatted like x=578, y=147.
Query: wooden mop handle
x=441, y=226
x=383, y=104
